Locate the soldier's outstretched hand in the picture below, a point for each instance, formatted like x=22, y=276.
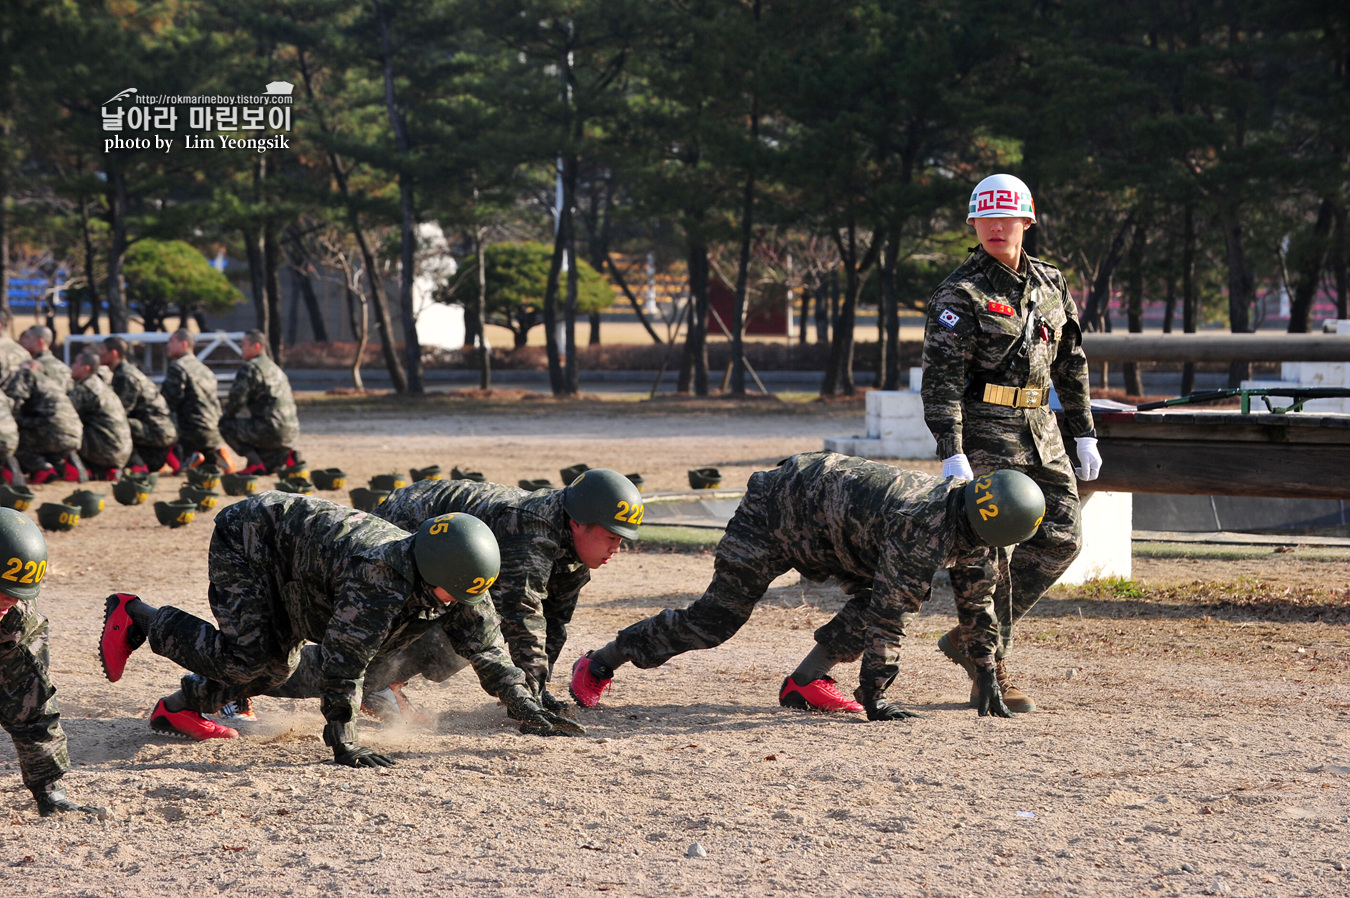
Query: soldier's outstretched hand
x=349, y=755
x=546, y=723
x=51, y=799
x=991, y=697
x=880, y=709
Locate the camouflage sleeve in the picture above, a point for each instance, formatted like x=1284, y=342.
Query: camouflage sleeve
x=564, y=588
x=474, y=632
x=19, y=386
x=240, y=391
x=519, y=596
x=172, y=388
x=1068, y=372
x=947, y=350
x=125, y=388
x=28, y=709
x=372, y=596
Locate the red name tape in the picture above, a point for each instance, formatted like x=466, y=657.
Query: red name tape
x=1001, y=308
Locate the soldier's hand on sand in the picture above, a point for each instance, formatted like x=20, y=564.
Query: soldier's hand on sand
x=359, y=756
x=991, y=698
x=880, y=709
x=51, y=799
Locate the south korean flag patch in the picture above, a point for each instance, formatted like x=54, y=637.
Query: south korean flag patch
x=949, y=318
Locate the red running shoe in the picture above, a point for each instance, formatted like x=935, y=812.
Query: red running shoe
x=817, y=695
x=590, y=679
x=46, y=474
x=187, y=723
x=120, y=637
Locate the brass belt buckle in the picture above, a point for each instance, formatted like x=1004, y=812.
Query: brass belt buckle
x=1031, y=397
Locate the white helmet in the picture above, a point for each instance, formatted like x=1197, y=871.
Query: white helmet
x=1001, y=196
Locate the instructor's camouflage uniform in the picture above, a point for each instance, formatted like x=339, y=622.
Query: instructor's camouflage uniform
x=988, y=324
x=49, y=426
x=535, y=594
x=152, y=430
x=285, y=569
x=28, y=708
x=271, y=426
x=881, y=531
x=107, y=434
x=190, y=392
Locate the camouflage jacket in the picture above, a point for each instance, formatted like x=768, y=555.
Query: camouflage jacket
x=262, y=390
x=12, y=355
x=107, y=435
x=990, y=324
x=536, y=592
x=56, y=369
x=147, y=412
x=28, y=708
x=189, y=390
x=9, y=428
x=872, y=526
x=348, y=581
x=48, y=422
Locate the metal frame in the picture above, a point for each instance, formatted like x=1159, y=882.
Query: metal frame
x=206, y=344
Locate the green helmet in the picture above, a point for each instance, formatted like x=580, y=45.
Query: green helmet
x=23, y=554
x=605, y=497
x=56, y=516
x=458, y=553
x=1005, y=507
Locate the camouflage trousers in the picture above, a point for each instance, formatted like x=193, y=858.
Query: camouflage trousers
x=431, y=655
x=103, y=453
x=748, y=558
x=28, y=708
x=252, y=435
x=1037, y=563
x=251, y=650
x=40, y=446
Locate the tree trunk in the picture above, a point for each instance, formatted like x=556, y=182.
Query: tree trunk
x=890, y=304
x=302, y=268
x=632, y=300
x=823, y=308
x=272, y=265
x=391, y=360
x=694, y=363
x=839, y=367
x=1239, y=286
x=1307, y=267
x=740, y=306
x=479, y=322
x=1189, y=294
x=555, y=372
x=412, y=345
x=1339, y=258
x=1097, y=313
x=91, y=286
x=1134, y=382
x=257, y=278
x=571, y=387
x=117, y=251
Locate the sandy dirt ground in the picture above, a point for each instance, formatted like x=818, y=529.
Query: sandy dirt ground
x=1197, y=743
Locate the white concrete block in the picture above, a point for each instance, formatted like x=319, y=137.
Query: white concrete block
x=1108, y=518
x=915, y=379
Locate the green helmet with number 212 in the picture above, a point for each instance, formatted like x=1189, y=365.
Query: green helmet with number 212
x=1005, y=507
x=607, y=498
x=23, y=555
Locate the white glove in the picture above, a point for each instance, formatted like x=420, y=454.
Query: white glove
x=957, y=466
x=1089, y=459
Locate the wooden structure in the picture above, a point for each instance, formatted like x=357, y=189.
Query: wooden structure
x=1221, y=452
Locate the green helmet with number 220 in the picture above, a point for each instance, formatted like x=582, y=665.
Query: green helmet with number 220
x=23, y=555
x=605, y=497
x=1005, y=507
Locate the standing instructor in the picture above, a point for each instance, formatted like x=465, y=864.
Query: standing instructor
x=1001, y=330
